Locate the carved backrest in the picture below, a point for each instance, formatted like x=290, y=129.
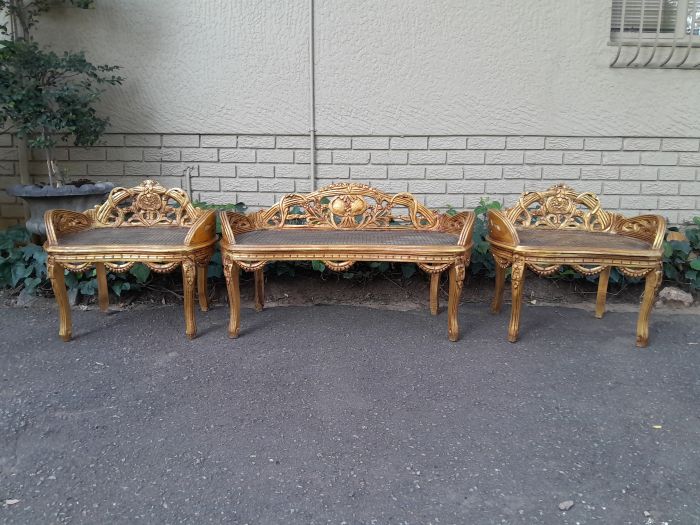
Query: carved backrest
x=347, y=206
x=148, y=204
x=560, y=207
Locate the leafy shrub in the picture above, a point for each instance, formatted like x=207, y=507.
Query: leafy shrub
x=23, y=263
x=682, y=257
x=23, y=268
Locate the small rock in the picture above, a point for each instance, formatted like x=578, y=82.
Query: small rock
x=647, y=514
x=675, y=297
x=566, y=505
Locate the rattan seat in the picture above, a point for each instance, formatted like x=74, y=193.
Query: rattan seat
x=549, y=229
x=566, y=240
x=127, y=236
x=396, y=237
x=339, y=225
x=147, y=224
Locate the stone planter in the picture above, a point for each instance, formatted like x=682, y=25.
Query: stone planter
x=40, y=199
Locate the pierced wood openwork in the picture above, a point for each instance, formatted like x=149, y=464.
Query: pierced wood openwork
x=348, y=207
x=111, y=237
x=549, y=229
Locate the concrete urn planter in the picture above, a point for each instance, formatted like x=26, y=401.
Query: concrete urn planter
x=40, y=199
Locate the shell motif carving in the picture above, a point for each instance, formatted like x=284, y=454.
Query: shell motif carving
x=148, y=204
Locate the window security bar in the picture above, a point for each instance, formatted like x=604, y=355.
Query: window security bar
x=658, y=34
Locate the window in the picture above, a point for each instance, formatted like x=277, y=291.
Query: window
x=656, y=33
x=649, y=18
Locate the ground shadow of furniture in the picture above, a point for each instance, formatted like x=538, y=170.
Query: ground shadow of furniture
x=548, y=229
x=339, y=225
x=147, y=224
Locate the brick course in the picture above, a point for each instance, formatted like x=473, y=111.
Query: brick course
x=632, y=174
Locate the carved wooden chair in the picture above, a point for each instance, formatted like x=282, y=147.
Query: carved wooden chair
x=548, y=229
x=339, y=225
x=147, y=224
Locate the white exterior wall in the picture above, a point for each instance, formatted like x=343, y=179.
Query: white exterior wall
x=516, y=76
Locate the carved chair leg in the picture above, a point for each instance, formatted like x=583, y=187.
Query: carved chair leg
x=653, y=280
x=102, y=290
x=259, y=290
x=202, y=286
x=58, y=283
x=188, y=283
x=231, y=271
x=435, y=293
x=602, y=292
x=517, y=277
x=500, y=285
x=456, y=282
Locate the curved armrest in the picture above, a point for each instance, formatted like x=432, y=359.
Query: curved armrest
x=59, y=222
x=649, y=228
x=501, y=229
x=464, y=221
x=203, y=229
x=233, y=223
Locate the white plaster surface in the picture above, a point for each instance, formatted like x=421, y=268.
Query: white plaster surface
x=418, y=67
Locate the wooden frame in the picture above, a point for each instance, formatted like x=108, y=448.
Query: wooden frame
x=347, y=206
x=561, y=208
x=147, y=205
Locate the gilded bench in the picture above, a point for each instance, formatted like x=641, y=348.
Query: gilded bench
x=339, y=225
x=147, y=224
x=548, y=229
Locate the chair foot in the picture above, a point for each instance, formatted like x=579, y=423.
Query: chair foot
x=66, y=337
x=642, y=343
x=191, y=336
x=233, y=335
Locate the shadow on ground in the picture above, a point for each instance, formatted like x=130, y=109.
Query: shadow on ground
x=332, y=414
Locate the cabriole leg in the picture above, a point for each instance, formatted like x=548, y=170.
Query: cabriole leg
x=188, y=282
x=58, y=283
x=517, y=277
x=259, y=290
x=234, y=297
x=202, y=285
x=602, y=292
x=651, y=284
x=434, y=293
x=102, y=290
x=500, y=285
x=456, y=283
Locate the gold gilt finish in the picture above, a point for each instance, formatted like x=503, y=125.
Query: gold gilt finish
x=147, y=206
x=546, y=230
x=348, y=207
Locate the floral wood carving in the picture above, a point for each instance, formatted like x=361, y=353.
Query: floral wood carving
x=347, y=206
x=148, y=204
x=560, y=207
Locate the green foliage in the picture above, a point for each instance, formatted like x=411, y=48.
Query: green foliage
x=682, y=258
x=22, y=263
x=45, y=96
x=482, y=262
x=23, y=267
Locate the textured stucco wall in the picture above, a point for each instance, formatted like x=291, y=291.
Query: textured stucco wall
x=388, y=67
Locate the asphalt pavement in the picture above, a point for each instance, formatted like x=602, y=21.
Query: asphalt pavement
x=335, y=414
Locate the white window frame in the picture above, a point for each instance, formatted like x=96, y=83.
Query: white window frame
x=679, y=37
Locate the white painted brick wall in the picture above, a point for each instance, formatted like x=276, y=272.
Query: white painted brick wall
x=631, y=174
